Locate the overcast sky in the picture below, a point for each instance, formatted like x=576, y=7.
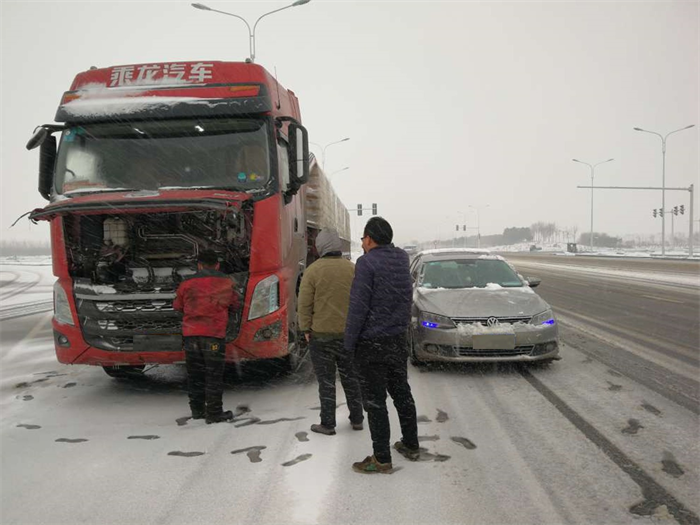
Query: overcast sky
x=447, y=104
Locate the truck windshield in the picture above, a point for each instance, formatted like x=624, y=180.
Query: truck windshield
x=149, y=155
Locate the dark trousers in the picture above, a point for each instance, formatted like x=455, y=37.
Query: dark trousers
x=326, y=355
x=204, y=359
x=381, y=364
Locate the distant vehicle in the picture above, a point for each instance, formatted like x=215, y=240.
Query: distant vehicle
x=535, y=248
x=470, y=306
x=411, y=249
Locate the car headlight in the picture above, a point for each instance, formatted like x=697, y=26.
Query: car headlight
x=61, y=306
x=428, y=320
x=266, y=297
x=546, y=317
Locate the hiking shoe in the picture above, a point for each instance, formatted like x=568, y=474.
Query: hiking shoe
x=227, y=415
x=371, y=466
x=323, y=430
x=411, y=454
x=357, y=426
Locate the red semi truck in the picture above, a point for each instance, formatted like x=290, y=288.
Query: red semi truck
x=156, y=162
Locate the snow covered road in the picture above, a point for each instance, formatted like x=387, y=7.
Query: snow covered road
x=577, y=442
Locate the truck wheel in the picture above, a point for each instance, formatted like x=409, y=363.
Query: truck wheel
x=124, y=372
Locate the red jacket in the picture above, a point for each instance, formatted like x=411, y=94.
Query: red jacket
x=205, y=300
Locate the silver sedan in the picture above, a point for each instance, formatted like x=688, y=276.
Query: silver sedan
x=471, y=306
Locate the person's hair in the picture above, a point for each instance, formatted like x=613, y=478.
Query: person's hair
x=208, y=258
x=379, y=230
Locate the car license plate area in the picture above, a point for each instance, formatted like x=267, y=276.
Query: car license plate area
x=494, y=338
x=157, y=343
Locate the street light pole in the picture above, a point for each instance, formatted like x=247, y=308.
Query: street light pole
x=663, y=180
x=323, y=150
x=478, y=224
x=251, y=33
x=592, y=166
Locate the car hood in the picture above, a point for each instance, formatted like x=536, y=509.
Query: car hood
x=480, y=302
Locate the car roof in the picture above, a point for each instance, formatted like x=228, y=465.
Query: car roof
x=458, y=253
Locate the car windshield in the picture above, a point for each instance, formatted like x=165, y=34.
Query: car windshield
x=220, y=153
x=468, y=273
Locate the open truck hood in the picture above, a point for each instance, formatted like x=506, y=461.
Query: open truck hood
x=141, y=201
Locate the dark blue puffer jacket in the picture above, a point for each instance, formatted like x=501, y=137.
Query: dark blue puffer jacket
x=380, y=297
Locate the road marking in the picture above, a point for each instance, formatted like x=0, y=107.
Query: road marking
x=663, y=299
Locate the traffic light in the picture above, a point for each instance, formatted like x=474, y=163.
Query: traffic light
x=359, y=210
x=456, y=227
x=464, y=227
x=682, y=209
x=654, y=212
x=661, y=211
x=675, y=210
x=374, y=208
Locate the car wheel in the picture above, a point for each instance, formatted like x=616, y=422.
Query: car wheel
x=412, y=352
x=124, y=372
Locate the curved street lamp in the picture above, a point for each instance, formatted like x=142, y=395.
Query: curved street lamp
x=251, y=33
x=323, y=150
x=592, y=166
x=663, y=180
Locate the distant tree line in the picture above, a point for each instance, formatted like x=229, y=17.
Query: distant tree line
x=9, y=248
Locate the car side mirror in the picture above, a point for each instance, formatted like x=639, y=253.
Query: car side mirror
x=533, y=281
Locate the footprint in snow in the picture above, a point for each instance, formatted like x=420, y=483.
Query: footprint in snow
x=253, y=453
x=671, y=466
x=423, y=419
x=185, y=454
x=466, y=443
x=614, y=373
x=144, y=437
x=633, y=427
x=302, y=436
x=28, y=427
x=279, y=420
x=296, y=460
x=428, y=438
x=70, y=440
x=651, y=408
x=441, y=416
x=247, y=421
x=613, y=387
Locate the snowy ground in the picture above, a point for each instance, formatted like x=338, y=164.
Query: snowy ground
x=578, y=442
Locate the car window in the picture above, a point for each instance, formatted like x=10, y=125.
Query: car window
x=468, y=273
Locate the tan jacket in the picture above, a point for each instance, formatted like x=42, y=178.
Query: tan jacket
x=324, y=296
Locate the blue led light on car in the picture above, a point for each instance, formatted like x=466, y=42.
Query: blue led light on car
x=549, y=321
x=429, y=325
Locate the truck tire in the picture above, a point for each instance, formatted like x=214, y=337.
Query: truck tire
x=124, y=372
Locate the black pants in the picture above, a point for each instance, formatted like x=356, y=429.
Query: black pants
x=204, y=358
x=326, y=355
x=381, y=364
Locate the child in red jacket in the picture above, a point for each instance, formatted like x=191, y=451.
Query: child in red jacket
x=205, y=300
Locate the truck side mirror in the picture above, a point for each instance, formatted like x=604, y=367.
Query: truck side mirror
x=298, y=156
x=38, y=138
x=47, y=160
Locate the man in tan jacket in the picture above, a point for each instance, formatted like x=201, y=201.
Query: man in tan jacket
x=324, y=296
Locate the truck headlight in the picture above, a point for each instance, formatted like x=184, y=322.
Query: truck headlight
x=266, y=297
x=546, y=317
x=428, y=320
x=61, y=306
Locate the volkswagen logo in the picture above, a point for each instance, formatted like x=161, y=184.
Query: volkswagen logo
x=492, y=321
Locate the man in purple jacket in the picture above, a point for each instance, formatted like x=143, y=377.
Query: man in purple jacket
x=378, y=318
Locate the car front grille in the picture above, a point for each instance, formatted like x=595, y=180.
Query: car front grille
x=464, y=351
x=484, y=320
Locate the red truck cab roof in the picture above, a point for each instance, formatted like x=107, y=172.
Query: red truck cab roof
x=175, y=90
